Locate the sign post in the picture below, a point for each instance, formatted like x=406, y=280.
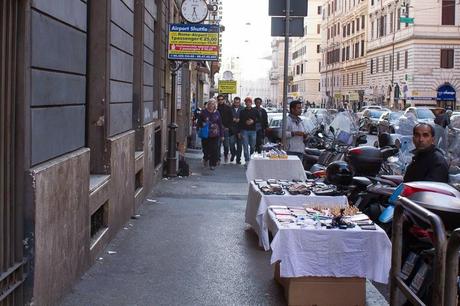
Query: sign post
x=227, y=87
x=279, y=8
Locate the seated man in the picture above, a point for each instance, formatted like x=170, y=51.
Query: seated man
x=428, y=163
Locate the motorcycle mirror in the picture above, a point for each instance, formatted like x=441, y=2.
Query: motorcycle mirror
x=320, y=135
x=331, y=129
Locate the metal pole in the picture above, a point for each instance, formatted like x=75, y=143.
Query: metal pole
x=286, y=77
x=171, y=160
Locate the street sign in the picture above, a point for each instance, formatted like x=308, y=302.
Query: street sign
x=296, y=28
x=193, y=42
x=406, y=19
x=227, y=87
x=297, y=8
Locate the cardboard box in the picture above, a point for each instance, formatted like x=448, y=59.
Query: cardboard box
x=322, y=291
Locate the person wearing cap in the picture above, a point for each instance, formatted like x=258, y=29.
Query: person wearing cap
x=247, y=128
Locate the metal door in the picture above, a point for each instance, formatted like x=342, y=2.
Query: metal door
x=11, y=233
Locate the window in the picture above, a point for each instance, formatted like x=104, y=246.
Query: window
x=297, y=69
x=397, y=61
x=301, y=69
x=353, y=27
x=362, y=77
x=352, y=78
x=372, y=29
x=319, y=10
x=318, y=28
x=362, y=21
x=391, y=22
x=344, y=32
x=447, y=58
x=372, y=66
x=348, y=29
x=318, y=48
x=406, y=59
x=319, y=66
x=319, y=86
x=377, y=65
x=328, y=33
x=348, y=79
x=448, y=12
x=348, y=53
x=343, y=54
x=398, y=22
x=383, y=63
x=362, y=47
x=391, y=67
x=357, y=24
x=357, y=50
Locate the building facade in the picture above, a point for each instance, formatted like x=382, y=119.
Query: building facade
x=343, y=65
x=305, y=57
x=414, y=63
x=276, y=72
x=86, y=100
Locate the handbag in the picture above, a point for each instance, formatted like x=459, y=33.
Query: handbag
x=203, y=133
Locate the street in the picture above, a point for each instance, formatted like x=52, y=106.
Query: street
x=189, y=246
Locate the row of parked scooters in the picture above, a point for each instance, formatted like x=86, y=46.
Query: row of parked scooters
x=366, y=175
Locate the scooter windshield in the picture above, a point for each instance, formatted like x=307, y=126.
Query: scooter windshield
x=345, y=121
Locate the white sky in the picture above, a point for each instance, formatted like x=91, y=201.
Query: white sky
x=236, y=13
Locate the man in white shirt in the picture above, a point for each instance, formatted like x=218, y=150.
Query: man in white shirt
x=296, y=130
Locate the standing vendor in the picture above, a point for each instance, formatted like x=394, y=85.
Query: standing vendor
x=296, y=131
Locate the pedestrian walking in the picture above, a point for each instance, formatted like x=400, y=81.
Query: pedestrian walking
x=261, y=125
x=235, y=141
x=226, y=115
x=247, y=125
x=211, y=117
x=296, y=131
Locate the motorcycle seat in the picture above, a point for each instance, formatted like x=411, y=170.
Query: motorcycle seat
x=361, y=181
x=398, y=179
x=313, y=151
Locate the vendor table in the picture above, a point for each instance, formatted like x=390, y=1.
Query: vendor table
x=330, y=252
x=258, y=203
x=265, y=168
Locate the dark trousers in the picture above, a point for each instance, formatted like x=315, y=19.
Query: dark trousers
x=211, y=150
x=260, y=140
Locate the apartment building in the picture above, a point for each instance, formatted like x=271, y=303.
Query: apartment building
x=305, y=56
x=343, y=63
x=276, y=72
x=414, y=63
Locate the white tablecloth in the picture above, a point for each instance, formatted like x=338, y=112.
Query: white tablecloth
x=331, y=252
x=257, y=208
x=284, y=169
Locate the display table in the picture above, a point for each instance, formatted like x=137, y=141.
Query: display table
x=265, y=168
x=258, y=203
x=330, y=252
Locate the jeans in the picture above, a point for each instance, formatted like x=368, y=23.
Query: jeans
x=226, y=143
x=249, y=143
x=235, y=147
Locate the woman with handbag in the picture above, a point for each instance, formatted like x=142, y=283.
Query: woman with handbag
x=211, y=122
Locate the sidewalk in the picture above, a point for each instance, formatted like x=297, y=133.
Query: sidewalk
x=190, y=246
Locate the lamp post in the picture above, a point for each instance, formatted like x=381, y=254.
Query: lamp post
x=171, y=169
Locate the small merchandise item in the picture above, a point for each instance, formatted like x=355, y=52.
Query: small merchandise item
x=277, y=154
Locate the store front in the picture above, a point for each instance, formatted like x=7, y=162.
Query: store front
x=446, y=96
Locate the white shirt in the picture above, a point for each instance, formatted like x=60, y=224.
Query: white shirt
x=295, y=143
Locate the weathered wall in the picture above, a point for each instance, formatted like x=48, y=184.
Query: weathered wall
x=58, y=84
x=121, y=204
x=61, y=224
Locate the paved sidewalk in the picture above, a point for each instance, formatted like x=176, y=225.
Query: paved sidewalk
x=190, y=246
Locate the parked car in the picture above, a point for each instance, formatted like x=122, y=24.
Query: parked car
x=275, y=129
x=388, y=121
x=370, y=119
x=420, y=114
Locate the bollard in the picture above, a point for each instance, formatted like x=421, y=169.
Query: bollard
x=396, y=282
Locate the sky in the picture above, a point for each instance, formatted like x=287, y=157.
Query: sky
x=250, y=42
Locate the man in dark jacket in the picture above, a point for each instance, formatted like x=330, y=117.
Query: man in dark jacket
x=227, y=121
x=235, y=141
x=261, y=125
x=428, y=163
x=247, y=125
